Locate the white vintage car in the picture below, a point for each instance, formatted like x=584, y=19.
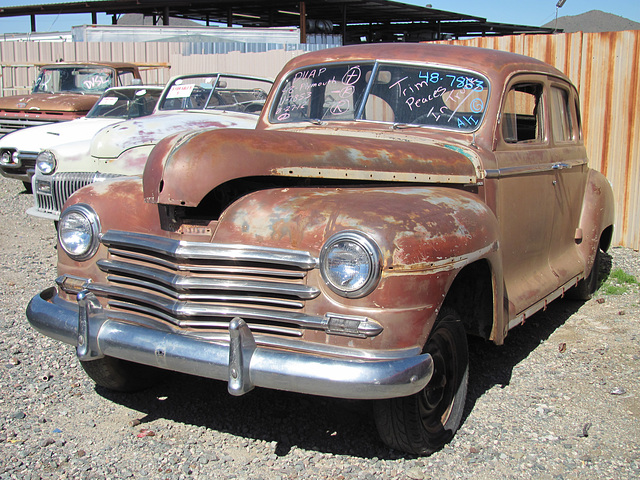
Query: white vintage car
x=19, y=149
x=188, y=103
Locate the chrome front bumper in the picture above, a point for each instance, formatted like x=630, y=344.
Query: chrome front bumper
x=241, y=359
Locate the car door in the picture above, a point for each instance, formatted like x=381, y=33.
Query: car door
x=525, y=196
x=570, y=176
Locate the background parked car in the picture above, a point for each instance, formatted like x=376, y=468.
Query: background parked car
x=188, y=103
x=64, y=91
x=19, y=150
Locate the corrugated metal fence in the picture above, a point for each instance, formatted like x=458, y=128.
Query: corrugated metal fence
x=604, y=66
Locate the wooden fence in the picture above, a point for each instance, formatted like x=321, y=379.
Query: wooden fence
x=604, y=66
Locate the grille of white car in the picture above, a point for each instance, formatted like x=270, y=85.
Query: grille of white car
x=62, y=186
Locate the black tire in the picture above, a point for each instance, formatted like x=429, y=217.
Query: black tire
x=586, y=287
x=121, y=375
x=422, y=423
x=27, y=187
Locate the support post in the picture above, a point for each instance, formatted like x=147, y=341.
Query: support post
x=165, y=16
x=303, y=22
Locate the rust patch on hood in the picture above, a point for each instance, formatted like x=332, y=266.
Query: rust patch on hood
x=181, y=170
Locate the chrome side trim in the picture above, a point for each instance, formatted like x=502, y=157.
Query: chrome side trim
x=354, y=174
x=527, y=169
x=208, y=251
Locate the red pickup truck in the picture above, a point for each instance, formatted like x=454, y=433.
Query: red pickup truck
x=63, y=91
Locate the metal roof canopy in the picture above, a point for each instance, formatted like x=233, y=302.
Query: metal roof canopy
x=358, y=21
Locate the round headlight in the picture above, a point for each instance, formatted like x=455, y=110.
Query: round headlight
x=78, y=232
x=46, y=162
x=350, y=264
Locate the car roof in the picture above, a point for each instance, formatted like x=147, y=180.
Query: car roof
x=222, y=74
x=89, y=64
x=491, y=63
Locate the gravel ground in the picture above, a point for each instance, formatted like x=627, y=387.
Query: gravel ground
x=560, y=400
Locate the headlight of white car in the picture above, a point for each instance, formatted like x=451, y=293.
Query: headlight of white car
x=46, y=162
x=78, y=232
x=350, y=264
x=8, y=157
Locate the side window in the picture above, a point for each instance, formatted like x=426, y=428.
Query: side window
x=522, y=115
x=578, y=120
x=125, y=78
x=561, y=118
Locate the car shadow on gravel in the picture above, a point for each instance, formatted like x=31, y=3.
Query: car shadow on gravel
x=327, y=425
x=491, y=365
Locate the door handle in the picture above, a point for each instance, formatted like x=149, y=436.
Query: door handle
x=560, y=166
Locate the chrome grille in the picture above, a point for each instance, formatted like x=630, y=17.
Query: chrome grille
x=8, y=125
x=63, y=185
x=205, y=285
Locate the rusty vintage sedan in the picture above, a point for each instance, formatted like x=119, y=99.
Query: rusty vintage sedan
x=392, y=200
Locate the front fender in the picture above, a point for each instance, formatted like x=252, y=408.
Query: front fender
x=426, y=235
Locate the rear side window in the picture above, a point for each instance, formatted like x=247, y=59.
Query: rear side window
x=125, y=78
x=523, y=115
x=562, y=123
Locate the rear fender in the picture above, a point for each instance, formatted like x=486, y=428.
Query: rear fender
x=598, y=214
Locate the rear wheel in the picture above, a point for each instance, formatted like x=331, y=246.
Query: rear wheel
x=121, y=375
x=422, y=423
x=586, y=287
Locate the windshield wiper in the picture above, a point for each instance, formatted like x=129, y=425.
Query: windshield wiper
x=400, y=126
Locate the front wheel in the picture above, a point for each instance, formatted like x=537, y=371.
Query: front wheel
x=121, y=375
x=422, y=423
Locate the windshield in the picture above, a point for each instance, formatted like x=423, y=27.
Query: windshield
x=126, y=103
x=76, y=79
x=216, y=92
x=400, y=94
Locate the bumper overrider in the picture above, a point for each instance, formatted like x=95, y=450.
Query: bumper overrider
x=240, y=358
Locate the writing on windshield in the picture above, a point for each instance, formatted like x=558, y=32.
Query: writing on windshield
x=414, y=95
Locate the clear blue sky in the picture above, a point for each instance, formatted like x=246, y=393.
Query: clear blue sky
x=533, y=13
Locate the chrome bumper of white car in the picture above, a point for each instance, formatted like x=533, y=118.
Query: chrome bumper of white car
x=241, y=359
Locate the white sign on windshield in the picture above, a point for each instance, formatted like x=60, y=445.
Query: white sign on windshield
x=180, y=91
x=108, y=101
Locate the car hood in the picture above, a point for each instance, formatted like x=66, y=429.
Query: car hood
x=49, y=102
x=111, y=142
x=173, y=173
x=34, y=139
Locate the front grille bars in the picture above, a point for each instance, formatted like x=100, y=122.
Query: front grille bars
x=198, y=285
